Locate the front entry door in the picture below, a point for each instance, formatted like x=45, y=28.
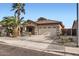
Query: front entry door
x=31, y=29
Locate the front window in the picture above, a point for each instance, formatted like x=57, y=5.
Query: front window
x=44, y=27
x=49, y=27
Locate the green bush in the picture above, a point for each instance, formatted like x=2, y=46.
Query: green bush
x=71, y=39
x=66, y=40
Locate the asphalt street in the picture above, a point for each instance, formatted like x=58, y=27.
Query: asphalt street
x=6, y=50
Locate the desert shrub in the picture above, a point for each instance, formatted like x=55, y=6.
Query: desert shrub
x=71, y=39
x=66, y=40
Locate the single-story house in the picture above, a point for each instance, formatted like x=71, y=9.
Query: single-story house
x=43, y=26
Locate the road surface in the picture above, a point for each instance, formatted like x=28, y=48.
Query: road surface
x=6, y=50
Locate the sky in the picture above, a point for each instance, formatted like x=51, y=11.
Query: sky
x=64, y=12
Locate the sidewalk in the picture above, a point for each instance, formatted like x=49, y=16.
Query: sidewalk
x=46, y=47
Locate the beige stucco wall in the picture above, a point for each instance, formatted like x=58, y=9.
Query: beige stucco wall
x=36, y=30
x=60, y=27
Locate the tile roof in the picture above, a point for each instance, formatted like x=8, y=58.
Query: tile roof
x=47, y=21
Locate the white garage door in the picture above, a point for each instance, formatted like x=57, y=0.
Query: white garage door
x=49, y=32
x=53, y=32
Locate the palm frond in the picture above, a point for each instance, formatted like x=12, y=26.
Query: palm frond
x=23, y=10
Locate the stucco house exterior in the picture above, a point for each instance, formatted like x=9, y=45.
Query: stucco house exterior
x=43, y=26
x=75, y=24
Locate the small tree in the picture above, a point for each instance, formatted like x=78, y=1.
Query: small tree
x=9, y=23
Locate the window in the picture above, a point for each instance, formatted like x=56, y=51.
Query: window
x=54, y=27
x=49, y=27
x=44, y=27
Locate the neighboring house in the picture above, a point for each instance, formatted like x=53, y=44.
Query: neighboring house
x=75, y=27
x=71, y=31
x=44, y=26
x=75, y=24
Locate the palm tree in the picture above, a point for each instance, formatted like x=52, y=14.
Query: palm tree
x=19, y=9
x=9, y=23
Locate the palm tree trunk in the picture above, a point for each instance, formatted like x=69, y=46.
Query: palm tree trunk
x=19, y=33
x=18, y=23
x=16, y=31
x=17, y=28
